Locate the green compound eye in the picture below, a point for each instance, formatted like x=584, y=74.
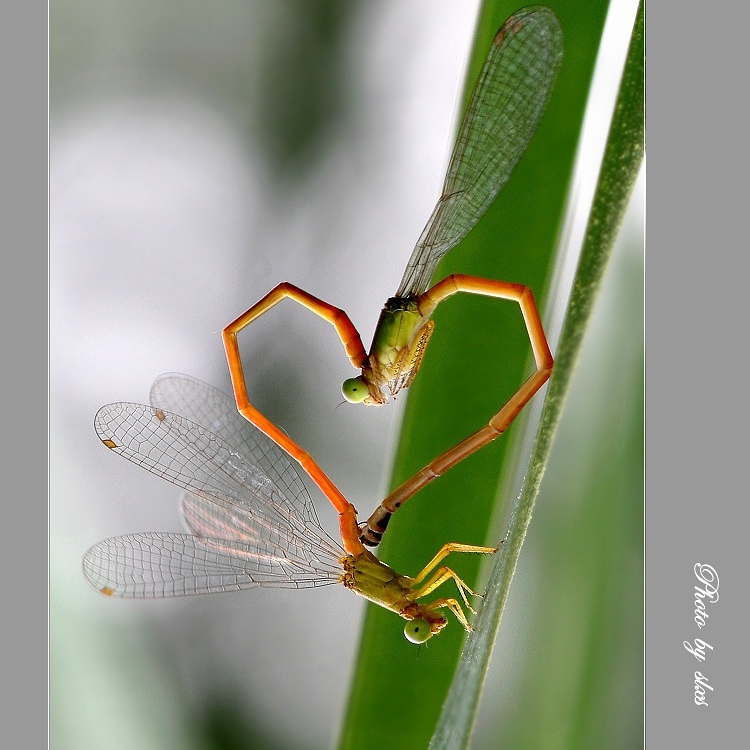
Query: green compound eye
x=417, y=631
x=355, y=390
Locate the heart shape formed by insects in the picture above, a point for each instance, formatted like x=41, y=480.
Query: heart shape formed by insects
x=396, y=353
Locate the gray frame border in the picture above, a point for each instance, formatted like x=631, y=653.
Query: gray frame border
x=24, y=70
x=696, y=497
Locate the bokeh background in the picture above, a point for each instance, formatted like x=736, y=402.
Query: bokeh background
x=199, y=155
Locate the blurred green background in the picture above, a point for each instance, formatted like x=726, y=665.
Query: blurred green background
x=199, y=155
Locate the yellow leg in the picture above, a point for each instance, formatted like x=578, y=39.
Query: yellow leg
x=412, y=358
x=446, y=550
x=444, y=573
x=453, y=606
x=440, y=577
x=373, y=529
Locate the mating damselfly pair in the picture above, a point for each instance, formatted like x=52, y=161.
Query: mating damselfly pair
x=249, y=518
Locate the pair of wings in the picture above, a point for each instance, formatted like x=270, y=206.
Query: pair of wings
x=251, y=519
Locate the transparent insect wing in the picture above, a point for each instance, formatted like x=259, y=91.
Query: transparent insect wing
x=155, y=564
x=191, y=457
x=247, y=532
x=295, y=547
x=503, y=113
x=217, y=412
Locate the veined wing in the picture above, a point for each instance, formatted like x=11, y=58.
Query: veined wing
x=501, y=118
x=263, y=525
x=217, y=412
x=155, y=565
x=306, y=551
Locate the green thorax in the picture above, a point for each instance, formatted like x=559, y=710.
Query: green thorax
x=399, y=321
x=376, y=581
x=398, y=344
